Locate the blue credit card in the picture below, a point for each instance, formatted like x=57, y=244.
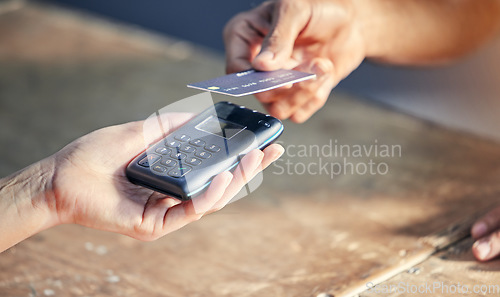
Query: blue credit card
x=251, y=81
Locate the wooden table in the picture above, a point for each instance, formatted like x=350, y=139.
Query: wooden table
x=304, y=232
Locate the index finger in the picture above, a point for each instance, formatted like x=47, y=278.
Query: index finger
x=243, y=37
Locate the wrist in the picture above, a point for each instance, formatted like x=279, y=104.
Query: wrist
x=25, y=198
x=368, y=21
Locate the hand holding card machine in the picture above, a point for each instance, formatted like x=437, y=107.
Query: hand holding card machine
x=184, y=162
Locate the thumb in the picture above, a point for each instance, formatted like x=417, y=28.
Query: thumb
x=288, y=21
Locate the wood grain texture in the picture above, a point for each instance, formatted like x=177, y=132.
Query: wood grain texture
x=300, y=234
x=451, y=272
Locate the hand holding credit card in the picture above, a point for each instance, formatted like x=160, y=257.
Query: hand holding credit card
x=251, y=81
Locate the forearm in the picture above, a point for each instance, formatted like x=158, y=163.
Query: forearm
x=23, y=203
x=419, y=32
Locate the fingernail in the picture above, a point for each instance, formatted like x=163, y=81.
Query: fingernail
x=260, y=157
x=479, y=229
x=229, y=178
x=266, y=55
x=483, y=248
x=323, y=68
x=279, y=153
x=317, y=70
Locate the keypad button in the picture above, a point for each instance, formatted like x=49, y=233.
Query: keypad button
x=193, y=161
x=168, y=162
x=197, y=142
x=203, y=154
x=159, y=168
x=163, y=150
x=182, y=137
x=173, y=143
x=179, y=172
x=178, y=156
x=149, y=160
x=175, y=172
x=213, y=148
x=265, y=124
x=188, y=148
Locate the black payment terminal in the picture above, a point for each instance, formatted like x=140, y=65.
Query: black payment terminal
x=183, y=163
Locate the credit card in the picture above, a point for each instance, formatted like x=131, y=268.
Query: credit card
x=251, y=81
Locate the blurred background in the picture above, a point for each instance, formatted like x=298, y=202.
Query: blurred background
x=197, y=21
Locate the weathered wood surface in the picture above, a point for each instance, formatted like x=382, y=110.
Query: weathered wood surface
x=452, y=272
x=63, y=75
